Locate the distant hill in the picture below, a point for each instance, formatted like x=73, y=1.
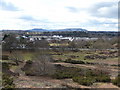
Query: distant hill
x=37, y=30
x=68, y=32
x=58, y=30
x=68, y=29
x=73, y=29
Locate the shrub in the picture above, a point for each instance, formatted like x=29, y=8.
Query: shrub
x=65, y=72
x=95, y=56
x=82, y=76
x=74, y=61
x=29, y=62
x=90, y=73
x=103, y=78
x=7, y=81
x=84, y=80
x=116, y=81
x=96, y=73
x=76, y=50
x=92, y=76
x=5, y=57
x=89, y=62
x=5, y=65
x=62, y=75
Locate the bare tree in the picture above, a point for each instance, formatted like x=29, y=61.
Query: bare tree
x=101, y=44
x=80, y=44
x=16, y=57
x=41, y=65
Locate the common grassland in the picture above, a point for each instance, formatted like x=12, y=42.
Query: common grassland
x=78, y=65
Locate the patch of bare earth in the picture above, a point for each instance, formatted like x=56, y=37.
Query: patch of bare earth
x=109, y=62
x=105, y=85
x=45, y=82
x=36, y=82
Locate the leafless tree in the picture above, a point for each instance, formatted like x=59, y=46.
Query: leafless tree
x=16, y=57
x=41, y=65
x=101, y=44
x=80, y=44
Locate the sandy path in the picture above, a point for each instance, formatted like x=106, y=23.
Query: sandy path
x=47, y=82
x=44, y=82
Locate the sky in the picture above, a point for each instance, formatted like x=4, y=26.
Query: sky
x=93, y=15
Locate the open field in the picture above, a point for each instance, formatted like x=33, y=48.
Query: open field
x=108, y=64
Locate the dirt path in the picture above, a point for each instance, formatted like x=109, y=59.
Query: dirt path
x=36, y=82
x=45, y=82
x=106, y=85
x=87, y=66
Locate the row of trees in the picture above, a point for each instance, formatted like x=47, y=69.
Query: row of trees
x=101, y=43
x=11, y=42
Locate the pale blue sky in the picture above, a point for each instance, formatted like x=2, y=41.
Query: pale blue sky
x=93, y=15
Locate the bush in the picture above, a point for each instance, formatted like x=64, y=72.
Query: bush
x=29, y=62
x=84, y=80
x=90, y=63
x=7, y=81
x=74, y=61
x=95, y=73
x=5, y=57
x=65, y=72
x=62, y=75
x=95, y=56
x=5, y=66
x=116, y=81
x=90, y=78
x=82, y=76
x=103, y=78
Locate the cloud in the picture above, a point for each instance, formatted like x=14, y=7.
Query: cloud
x=105, y=21
x=104, y=9
x=27, y=18
x=105, y=4
x=98, y=9
x=72, y=9
x=32, y=20
x=8, y=6
x=88, y=14
x=98, y=24
x=119, y=10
